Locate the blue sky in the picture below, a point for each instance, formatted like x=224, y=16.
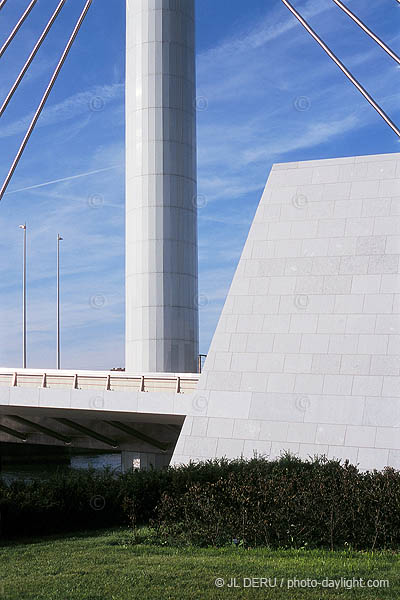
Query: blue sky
x=267, y=94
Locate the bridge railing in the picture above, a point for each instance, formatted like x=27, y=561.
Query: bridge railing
x=91, y=380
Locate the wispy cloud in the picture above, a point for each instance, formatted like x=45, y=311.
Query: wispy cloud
x=314, y=135
x=72, y=107
x=276, y=23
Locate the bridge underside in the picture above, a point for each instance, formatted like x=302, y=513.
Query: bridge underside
x=141, y=439
x=139, y=416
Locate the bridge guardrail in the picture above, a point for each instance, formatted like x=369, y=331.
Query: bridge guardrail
x=108, y=381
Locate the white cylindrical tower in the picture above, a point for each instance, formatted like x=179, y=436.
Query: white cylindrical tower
x=161, y=213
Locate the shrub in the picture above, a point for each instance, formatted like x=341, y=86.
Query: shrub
x=287, y=502
x=66, y=501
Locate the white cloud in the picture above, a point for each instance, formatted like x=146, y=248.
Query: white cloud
x=82, y=103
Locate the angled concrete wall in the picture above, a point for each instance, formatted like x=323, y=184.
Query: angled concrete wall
x=306, y=355
x=161, y=216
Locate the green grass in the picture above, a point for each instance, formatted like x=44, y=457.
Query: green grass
x=108, y=566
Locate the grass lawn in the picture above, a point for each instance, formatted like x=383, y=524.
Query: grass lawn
x=107, y=566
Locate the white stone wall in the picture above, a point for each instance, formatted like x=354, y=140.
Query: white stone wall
x=306, y=355
x=161, y=213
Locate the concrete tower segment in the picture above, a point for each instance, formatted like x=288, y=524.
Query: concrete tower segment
x=161, y=215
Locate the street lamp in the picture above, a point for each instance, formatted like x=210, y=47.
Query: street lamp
x=59, y=239
x=24, y=300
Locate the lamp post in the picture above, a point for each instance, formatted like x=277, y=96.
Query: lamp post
x=59, y=239
x=24, y=300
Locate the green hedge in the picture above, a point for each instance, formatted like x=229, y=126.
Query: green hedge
x=283, y=503
x=287, y=503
